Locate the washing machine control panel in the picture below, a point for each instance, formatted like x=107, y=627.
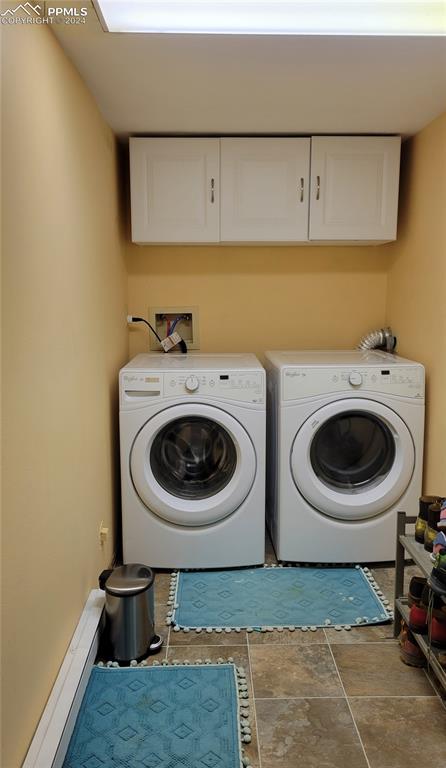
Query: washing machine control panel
x=192, y=384
x=402, y=381
x=244, y=386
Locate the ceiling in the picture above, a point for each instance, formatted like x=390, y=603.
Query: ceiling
x=167, y=84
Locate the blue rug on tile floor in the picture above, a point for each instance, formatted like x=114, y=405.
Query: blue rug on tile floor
x=158, y=717
x=277, y=597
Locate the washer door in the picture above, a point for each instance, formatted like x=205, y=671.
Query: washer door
x=353, y=459
x=192, y=464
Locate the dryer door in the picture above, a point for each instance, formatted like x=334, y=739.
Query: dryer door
x=353, y=459
x=192, y=464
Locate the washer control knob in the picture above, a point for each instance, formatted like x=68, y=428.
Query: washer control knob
x=355, y=379
x=192, y=384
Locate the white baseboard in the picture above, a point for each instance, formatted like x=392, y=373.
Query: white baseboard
x=51, y=739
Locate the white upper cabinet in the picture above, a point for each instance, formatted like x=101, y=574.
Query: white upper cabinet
x=175, y=190
x=264, y=189
x=354, y=187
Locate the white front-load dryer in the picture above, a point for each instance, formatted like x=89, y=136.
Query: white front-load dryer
x=345, y=452
x=192, y=431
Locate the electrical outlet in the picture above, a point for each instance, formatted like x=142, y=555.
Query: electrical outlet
x=162, y=319
x=103, y=533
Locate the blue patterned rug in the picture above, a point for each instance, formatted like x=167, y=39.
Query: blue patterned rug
x=158, y=717
x=269, y=597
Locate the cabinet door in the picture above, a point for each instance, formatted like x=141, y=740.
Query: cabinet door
x=174, y=190
x=264, y=189
x=354, y=187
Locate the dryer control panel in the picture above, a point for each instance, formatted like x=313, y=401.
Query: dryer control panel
x=401, y=381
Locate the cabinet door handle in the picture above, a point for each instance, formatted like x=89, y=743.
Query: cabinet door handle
x=318, y=187
x=212, y=190
x=301, y=189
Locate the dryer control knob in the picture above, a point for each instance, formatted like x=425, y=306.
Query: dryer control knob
x=355, y=379
x=192, y=384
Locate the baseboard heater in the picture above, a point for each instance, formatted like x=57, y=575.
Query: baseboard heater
x=51, y=739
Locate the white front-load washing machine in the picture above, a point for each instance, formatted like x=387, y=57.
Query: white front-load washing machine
x=345, y=452
x=192, y=431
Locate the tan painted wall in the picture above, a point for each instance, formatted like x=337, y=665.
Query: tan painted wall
x=65, y=337
x=259, y=298
x=417, y=282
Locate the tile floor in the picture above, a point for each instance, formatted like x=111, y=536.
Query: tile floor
x=327, y=699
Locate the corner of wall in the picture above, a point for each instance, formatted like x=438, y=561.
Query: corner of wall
x=417, y=281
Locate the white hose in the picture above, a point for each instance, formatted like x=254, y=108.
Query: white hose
x=379, y=339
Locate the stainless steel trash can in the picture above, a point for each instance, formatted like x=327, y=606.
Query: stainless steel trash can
x=129, y=612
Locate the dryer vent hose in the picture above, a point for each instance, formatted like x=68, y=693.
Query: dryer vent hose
x=380, y=339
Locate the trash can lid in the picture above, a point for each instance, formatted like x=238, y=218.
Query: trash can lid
x=128, y=580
